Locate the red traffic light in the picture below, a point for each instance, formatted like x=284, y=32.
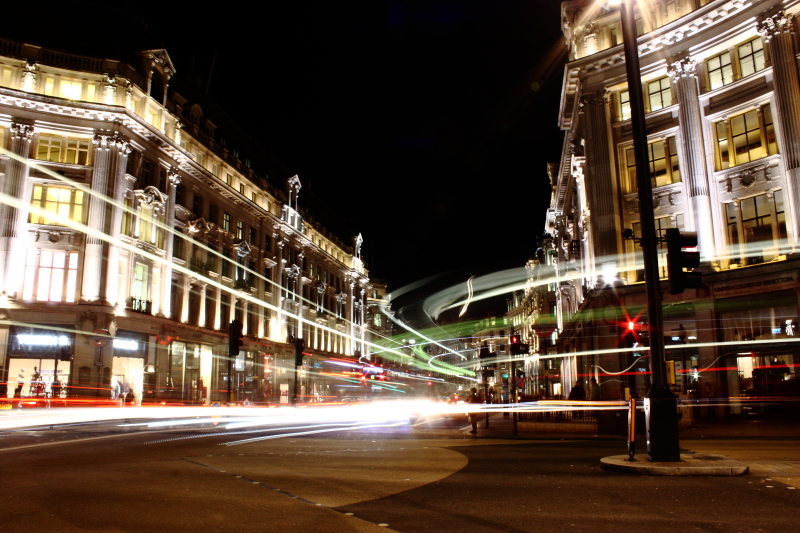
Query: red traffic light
x=515, y=339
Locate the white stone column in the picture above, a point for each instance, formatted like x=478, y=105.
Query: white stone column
x=118, y=150
x=201, y=316
x=693, y=167
x=778, y=30
x=94, y=272
x=14, y=221
x=173, y=179
x=351, y=327
x=599, y=181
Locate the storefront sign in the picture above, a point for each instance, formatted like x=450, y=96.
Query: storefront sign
x=755, y=285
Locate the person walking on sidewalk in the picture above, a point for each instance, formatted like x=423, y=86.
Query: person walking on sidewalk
x=473, y=417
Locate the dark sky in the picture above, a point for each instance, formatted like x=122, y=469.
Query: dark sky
x=427, y=125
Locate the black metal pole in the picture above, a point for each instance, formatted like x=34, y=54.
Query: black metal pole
x=660, y=404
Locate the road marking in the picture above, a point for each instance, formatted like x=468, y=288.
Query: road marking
x=86, y=439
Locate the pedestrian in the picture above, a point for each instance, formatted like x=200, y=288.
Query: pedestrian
x=125, y=390
x=578, y=392
x=595, y=394
x=20, y=383
x=473, y=417
x=114, y=388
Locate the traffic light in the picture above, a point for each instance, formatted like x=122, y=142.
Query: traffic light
x=235, y=341
x=298, y=351
x=677, y=260
x=516, y=347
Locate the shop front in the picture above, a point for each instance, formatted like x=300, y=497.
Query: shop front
x=39, y=361
x=130, y=352
x=760, y=351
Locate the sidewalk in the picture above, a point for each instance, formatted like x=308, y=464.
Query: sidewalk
x=703, y=462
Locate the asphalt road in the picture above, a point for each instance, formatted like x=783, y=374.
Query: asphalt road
x=399, y=479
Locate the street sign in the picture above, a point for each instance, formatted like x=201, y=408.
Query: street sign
x=100, y=337
x=545, y=325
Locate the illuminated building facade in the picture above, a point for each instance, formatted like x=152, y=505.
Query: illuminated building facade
x=135, y=227
x=722, y=104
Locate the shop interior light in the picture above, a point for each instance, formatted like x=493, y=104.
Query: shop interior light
x=125, y=344
x=43, y=340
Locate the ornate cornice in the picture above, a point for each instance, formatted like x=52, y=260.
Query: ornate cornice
x=774, y=25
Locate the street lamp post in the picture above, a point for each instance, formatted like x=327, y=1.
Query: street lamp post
x=661, y=405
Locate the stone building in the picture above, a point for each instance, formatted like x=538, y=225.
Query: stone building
x=722, y=104
x=137, y=221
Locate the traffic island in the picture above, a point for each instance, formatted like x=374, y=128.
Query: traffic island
x=691, y=464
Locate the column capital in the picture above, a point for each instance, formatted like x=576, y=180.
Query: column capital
x=682, y=68
x=172, y=176
x=107, y=140
x=21, y=131
x=774, y=25
x=598, y=97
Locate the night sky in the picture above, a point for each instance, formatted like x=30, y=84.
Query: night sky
x=425, y=125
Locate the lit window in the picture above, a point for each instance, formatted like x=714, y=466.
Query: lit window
x=663, y=161
x=70, y=89
x=239, y=229
x=59, y=149
x=50, y=275
x=149, y=231
x=226, y=221
x=215, y=169
x=758, y=226
x=241, y=188
x=140, y=284
x=751, y=57
x=625, y=105
x=720, y=71
x=751, y=134
x=229, y=180
x=61, y=204
x=660, y=94
x=378, y=321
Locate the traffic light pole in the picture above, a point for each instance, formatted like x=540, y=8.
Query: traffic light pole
x=660, y=404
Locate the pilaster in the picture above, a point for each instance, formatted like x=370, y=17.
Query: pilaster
x=693, y=168
x=599, y=179
x=778, y=30
x=13, y=220
x=173, y=180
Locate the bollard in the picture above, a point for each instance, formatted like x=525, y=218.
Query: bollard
x=632, y=430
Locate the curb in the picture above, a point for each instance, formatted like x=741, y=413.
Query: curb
x=691, y=464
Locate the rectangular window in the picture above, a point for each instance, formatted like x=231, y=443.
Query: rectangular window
x=663, y=162
x=239, y=229
x=49, y=148
x=252, y=238
x=50, y=275
x=146, y=172
x=756, y=213
x=140, y=284
x=77, y=152
x=720, y=70
x=61, y=204
x=733, y=231
x=70, y=89
x=197, y=205
x=659, y=93
x=625, y=105
x=751, y=134
x=57, y=149
x=226, y=221
x=241, y=189
x=215, y=169
x=212, y=213
x=229, y=179
x=751, y=57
